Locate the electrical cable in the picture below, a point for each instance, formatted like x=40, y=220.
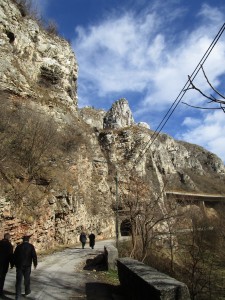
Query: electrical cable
x=195, y=72
x=181, y=94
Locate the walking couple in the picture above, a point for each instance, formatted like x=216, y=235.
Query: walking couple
x=23, y=257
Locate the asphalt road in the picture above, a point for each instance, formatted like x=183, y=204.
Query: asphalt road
x=62, y=276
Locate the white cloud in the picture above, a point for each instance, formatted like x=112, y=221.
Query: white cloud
x=133, y=53
x=209, y=134
x=113, y=54
x=151, y=54
x=191, y=122
x=211, y=13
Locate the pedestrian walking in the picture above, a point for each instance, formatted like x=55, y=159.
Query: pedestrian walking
x=83, y=239
x=92, y=240
x=6, y=258
x=24, y=256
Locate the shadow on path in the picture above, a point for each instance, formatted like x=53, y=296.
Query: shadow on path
x=103, y=291
x=7, y=295
x=99, y=290
x=98, y=263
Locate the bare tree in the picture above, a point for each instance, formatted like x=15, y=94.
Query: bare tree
x=34, y=138
x=28, y=140
x=197, y=254
x=219, y=225
x=148, y=215
x=211, y=98
x=136, y=192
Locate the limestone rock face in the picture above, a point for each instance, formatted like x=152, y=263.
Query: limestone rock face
x=119, y=115
x=34, y=62
x=73, y=186
x=187, y=167
x=93, y=117
x=143, y=124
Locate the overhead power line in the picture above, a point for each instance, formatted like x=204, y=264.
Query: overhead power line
x=180, y=95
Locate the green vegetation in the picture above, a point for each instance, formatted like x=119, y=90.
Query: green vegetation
x=110, y=277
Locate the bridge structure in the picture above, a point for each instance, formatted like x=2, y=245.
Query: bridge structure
x=205, y=200
x=183, y=198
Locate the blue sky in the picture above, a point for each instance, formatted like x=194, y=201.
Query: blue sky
x=144, y=51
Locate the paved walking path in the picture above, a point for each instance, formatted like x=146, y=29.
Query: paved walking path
x=61, y=276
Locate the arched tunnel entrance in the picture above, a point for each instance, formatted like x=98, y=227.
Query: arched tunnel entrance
x=125, y=228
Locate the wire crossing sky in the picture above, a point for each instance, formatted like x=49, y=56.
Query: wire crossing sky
x=182, y=93
x=144, y=51
x=187, y=84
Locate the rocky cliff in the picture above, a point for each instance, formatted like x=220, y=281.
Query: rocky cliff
x=35, y=63
x=58, y=164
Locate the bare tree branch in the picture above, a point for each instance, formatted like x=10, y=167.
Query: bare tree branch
x=193, y=87
x=203, y=107
x=212, y=87
x=211, y=97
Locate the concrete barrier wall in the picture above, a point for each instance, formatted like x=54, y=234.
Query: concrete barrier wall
x=141, y=282
x=111, y=256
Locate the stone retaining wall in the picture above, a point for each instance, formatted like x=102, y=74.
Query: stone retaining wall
x=141, y=282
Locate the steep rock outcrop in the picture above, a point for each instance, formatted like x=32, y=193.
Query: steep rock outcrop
x=119, y=115
x=34, y=62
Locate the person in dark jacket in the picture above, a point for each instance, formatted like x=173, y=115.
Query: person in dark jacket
x=24, y=255
x=83, y=239
x=92, y=240
x=6, y=258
